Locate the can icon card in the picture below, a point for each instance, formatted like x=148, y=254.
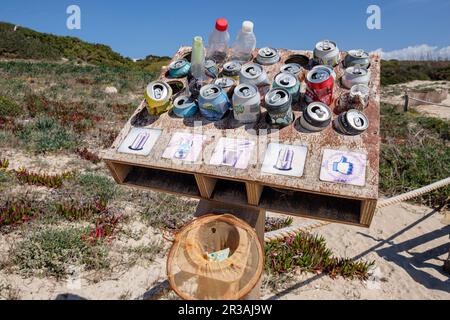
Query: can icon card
x=184, y=146
x=139, y=141
x=284, y=159
x=344, y=167
x=234, y=153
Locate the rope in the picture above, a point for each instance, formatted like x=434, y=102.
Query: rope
x=413, y=194
x=284, y=233
x=429, y=102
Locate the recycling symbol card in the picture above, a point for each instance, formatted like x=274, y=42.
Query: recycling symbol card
x=343, y=167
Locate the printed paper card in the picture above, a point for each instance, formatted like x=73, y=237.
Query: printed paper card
x=284, y=159
x=234, y=153
x=140, y=141
x=344, y=167
x=184, y=146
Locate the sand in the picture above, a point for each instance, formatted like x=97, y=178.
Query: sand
x=407, y=242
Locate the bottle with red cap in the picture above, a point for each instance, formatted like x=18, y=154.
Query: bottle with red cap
x=218, y=41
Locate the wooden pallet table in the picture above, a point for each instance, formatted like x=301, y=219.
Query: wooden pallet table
x=305, y=196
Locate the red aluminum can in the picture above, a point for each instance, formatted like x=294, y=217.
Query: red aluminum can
x=319, y=87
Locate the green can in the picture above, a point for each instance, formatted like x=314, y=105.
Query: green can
x=289, y=82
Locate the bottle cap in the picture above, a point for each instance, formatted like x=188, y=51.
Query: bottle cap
x=222, y=24
x=247, y=26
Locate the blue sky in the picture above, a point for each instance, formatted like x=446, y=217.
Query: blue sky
x=136, y=28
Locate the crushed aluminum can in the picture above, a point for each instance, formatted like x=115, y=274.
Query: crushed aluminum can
x=357, y=57
x=355, y=75
x=326, y=52
x=267, y=56
x=158, y=95
x=351, y=122
x=184, y=107
x=253, y=73
x=179, y=68
x=232, y=69
x=213, y=102
x=316, y=117
x=278, y=103
x=246, y=103
x=289, y=82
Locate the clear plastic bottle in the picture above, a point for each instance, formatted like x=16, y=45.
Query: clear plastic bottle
x=198, y=59
x=245, y=43
x=218, y=41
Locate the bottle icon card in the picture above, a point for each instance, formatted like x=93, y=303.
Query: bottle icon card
x=234, y=153
x=284, y=159
x=139, y=141
x=343, y=167
x=184, y=146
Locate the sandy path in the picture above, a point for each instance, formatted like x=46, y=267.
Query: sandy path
x=408, y=244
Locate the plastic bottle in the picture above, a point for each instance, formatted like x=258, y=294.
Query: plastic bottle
x=245, y=43
x=218, y=41
x=198, y=59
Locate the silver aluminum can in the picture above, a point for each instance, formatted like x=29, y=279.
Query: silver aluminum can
x=278, y=103
x=232, y=69
x=316, y=117
x=352, y=122
x=227, y=84
x=268, y=56
x=246, y=103
x=253, y=73
x=293, y=68
x=357, y=57
x=355, y=75
x=359, y=96
x=288, y=81
x=326, y=52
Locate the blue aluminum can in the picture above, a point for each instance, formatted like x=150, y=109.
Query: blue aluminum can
x=184, y=107
x=179, y=68
x=213, y=102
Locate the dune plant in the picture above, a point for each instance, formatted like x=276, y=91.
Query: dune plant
x=88, y=155
x=15, y=213
x=74, y=211
x=309, y=253
x=50, y=181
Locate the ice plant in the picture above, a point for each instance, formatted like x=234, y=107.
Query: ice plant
x=4, y=164
x=15, y=213
x=74, y=211
x=50, y=181
x=104, y=228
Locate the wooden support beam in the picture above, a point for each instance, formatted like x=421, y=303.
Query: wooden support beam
x=368, y=208
x=205, y=185
x=254, y=191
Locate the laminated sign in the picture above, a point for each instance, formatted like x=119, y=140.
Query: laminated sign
x=343, y=167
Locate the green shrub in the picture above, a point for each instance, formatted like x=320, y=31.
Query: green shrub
x=414, y=153
x=97, y=186
x=8, y=108
x=51, y=253
x=309, y=253
x=46, y=135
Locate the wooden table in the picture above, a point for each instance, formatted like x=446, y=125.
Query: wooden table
x=222, y=186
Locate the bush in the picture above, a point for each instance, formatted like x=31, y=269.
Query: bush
x=46, y=135
x=308, y=253
x=8, y=108
x=51, y=253
x=97, y=186
x=414, y=153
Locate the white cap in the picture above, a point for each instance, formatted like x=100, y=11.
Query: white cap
x=247, y=26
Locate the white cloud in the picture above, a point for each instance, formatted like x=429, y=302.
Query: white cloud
x=420, y=52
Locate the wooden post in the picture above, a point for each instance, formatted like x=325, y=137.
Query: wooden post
x=254, y=217
x=447, y=262
x=405, y=107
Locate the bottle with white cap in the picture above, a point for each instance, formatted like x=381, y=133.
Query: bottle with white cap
x=245, y=43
